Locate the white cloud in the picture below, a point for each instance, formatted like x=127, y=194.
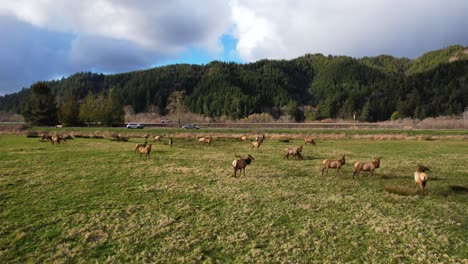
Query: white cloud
x=162, y=26
x=285, y=29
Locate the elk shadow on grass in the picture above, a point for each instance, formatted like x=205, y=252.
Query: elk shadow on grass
x=460, y=189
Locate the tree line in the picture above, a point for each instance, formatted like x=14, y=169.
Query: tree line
x=311, y=87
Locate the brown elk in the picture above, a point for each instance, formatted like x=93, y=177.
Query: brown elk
x=256, y=144
x=309, y=140
x=144, y=150
x=420, y=177
x=240, y=164
x=295, y=152
x=366, y=166
x=334, y=164
x=207, y=140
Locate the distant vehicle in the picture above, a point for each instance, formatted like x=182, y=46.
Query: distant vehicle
x=190, y=126
x=135, y=125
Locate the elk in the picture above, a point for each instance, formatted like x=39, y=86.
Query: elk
x=295, y=152
x=170, y=142
x=144, y=150
x=157, y=138
x=141, y=145
x=55, y=139
x=366, y=166
x=260, y=138
x=243, y=138
x=335, y=164
x=256, y=144
x=207, y=140
x=309, y=140
x=420, y=177
x=201, y=140
x=240, y=164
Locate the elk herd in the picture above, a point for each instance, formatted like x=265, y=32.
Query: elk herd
x=239, y=164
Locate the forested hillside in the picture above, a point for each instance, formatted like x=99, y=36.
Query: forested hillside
x=373, y=88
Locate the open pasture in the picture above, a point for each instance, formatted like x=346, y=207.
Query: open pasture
x=95, y=199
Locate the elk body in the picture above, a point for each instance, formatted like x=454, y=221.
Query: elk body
x=309, y=141
x=366, y=166
x=334, y=164
x=240, y=164
x=295, y=152
x=144, y=150
x=420, y=177
x=256, y=144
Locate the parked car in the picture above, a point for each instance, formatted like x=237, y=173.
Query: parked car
x=135, y=125
x=190, y=126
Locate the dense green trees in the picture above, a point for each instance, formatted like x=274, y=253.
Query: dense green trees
x=40, y=107
x=315, y=85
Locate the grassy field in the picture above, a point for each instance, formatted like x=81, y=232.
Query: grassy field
x=94, y=199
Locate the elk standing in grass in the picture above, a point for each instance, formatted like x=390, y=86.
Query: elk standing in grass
x=140, y=145
x=240, y=164
x=420, y=177
x=144, y=150
x=157, y=138
x=243, y=138
x=55, y=139
x=256, y=144
x=295, y=152
x=207, y=140
x=334, y=164
x=366, y=166
x=201, y=140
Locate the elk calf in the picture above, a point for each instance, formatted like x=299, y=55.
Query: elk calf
x=335, y=164
x=240, y=164
x=366, y=166
x=420, y=177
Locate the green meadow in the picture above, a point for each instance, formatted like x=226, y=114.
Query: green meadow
x=88, y=200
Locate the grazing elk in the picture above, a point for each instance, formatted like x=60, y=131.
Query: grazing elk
x=295, y=152
x=243, y=138
x=334, y=164
x=157, y=138
x=420, y=177
x=240, y=164
x=366, y=166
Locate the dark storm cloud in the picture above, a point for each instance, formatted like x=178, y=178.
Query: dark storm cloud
x=44, y=40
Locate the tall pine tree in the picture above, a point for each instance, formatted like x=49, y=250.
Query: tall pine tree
x=39, y=108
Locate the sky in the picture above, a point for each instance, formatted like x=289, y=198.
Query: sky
x=50, y=39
